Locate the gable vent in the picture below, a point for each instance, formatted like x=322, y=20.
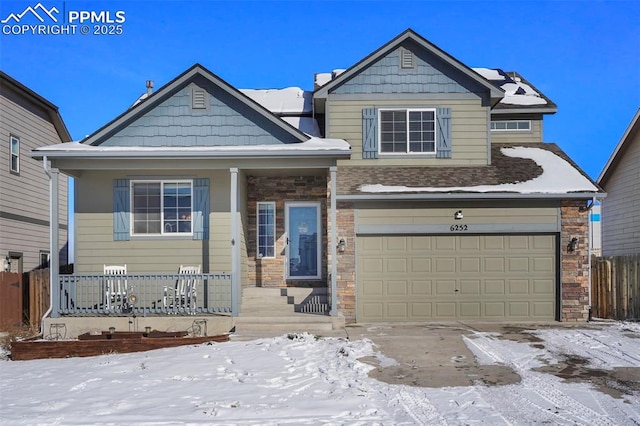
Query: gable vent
x=407, y=59
x=198, y=98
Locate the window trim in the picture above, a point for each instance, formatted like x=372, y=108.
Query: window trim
x=273, y=205
x=530, y=129
x=407, y=142
x=162, y=233
x=15, y=171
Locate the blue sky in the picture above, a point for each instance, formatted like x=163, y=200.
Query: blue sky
x=584, y=55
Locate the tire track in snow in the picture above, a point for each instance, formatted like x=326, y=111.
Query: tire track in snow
x=421, y=411
x=547, y=390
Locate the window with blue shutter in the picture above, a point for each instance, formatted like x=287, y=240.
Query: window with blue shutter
x=121, y=210
x=201, y=209
x=370, y=133
x=406, y=131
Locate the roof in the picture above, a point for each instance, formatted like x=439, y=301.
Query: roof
x=495, y=93
x=519, y=93
x=149, y=102
x=625, y=142
x=283, y=102
x=54, y=113
x=313, y=147
x=527, y=170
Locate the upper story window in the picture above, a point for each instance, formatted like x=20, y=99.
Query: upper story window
x=15, y=154
x=266, y=229
x=511, y=126
x=406, y=131
x=162, y=207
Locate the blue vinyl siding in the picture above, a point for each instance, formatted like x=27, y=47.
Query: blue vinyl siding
x=225, y=121
x=386, y=76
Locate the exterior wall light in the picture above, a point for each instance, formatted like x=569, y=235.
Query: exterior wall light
x=342, y=245
x=458, y=215
x=573, y=245
x=112, y=330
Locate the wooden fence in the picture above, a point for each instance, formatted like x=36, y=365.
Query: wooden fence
x=37, y=297
x=615, y=287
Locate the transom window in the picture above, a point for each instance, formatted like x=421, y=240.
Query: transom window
x=408, y=131
x=162, y=207
x=15, y=154
x=266, y=229
x=510, y=126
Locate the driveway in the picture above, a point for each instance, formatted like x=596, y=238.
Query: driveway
x=467, y=354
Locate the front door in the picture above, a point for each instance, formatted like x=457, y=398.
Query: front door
x=304, y=237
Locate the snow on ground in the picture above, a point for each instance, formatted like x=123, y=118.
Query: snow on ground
x=301, y=379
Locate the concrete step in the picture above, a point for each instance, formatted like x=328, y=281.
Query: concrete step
x=248, y=324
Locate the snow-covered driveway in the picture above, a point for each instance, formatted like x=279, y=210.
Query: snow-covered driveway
x=302, y=379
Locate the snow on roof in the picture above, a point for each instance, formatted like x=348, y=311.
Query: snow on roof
x=558, y=177
x=290, y=100
x=308, y=125
x=517, y=92
x=322, y=78
x=313, y=144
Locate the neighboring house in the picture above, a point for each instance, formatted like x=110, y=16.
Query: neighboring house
x=425, y=193
x=620, y=178
x=28, y=121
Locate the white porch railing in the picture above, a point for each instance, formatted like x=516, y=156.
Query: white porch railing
x=144, y=294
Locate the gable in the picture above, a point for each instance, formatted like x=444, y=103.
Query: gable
x=200, y=114
x=408, y=68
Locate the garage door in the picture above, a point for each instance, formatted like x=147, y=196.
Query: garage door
x=485, y=277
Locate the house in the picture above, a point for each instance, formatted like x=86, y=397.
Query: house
x=620, y=178
x=425, y=193
x=28, y=121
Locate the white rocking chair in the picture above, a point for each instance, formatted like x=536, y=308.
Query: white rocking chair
x=184, y=294
x=115, y=294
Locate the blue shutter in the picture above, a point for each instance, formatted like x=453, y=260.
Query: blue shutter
x=121, y=210
x=200, y=209
x=370, y=133
x=443, y=146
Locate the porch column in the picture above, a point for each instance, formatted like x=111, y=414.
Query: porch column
x=235, y=245
x=54, y=231
x=333, y=243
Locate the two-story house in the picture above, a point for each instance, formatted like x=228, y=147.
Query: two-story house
x=408, y=187
x=28, y=121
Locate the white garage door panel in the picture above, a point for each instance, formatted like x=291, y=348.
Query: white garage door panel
x=415, y=278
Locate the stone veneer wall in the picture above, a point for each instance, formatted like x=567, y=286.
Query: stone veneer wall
x=575, y=266
x=346, y=279
x=279, y=189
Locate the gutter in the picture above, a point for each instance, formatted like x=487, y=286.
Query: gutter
x=468, y=195
x=195, y=154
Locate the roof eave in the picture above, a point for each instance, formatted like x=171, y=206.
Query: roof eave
x=470, y=196
x=524, y=110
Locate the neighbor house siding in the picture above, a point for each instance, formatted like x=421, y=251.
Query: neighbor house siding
x=468, y=131
x=95, y=244
x=620, y=210
x=24, y=197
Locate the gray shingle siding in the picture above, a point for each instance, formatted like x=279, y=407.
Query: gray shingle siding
x=225, y=122
x=386, y=76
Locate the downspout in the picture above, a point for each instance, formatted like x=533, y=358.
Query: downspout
x=45, y=167
x=588, y=209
